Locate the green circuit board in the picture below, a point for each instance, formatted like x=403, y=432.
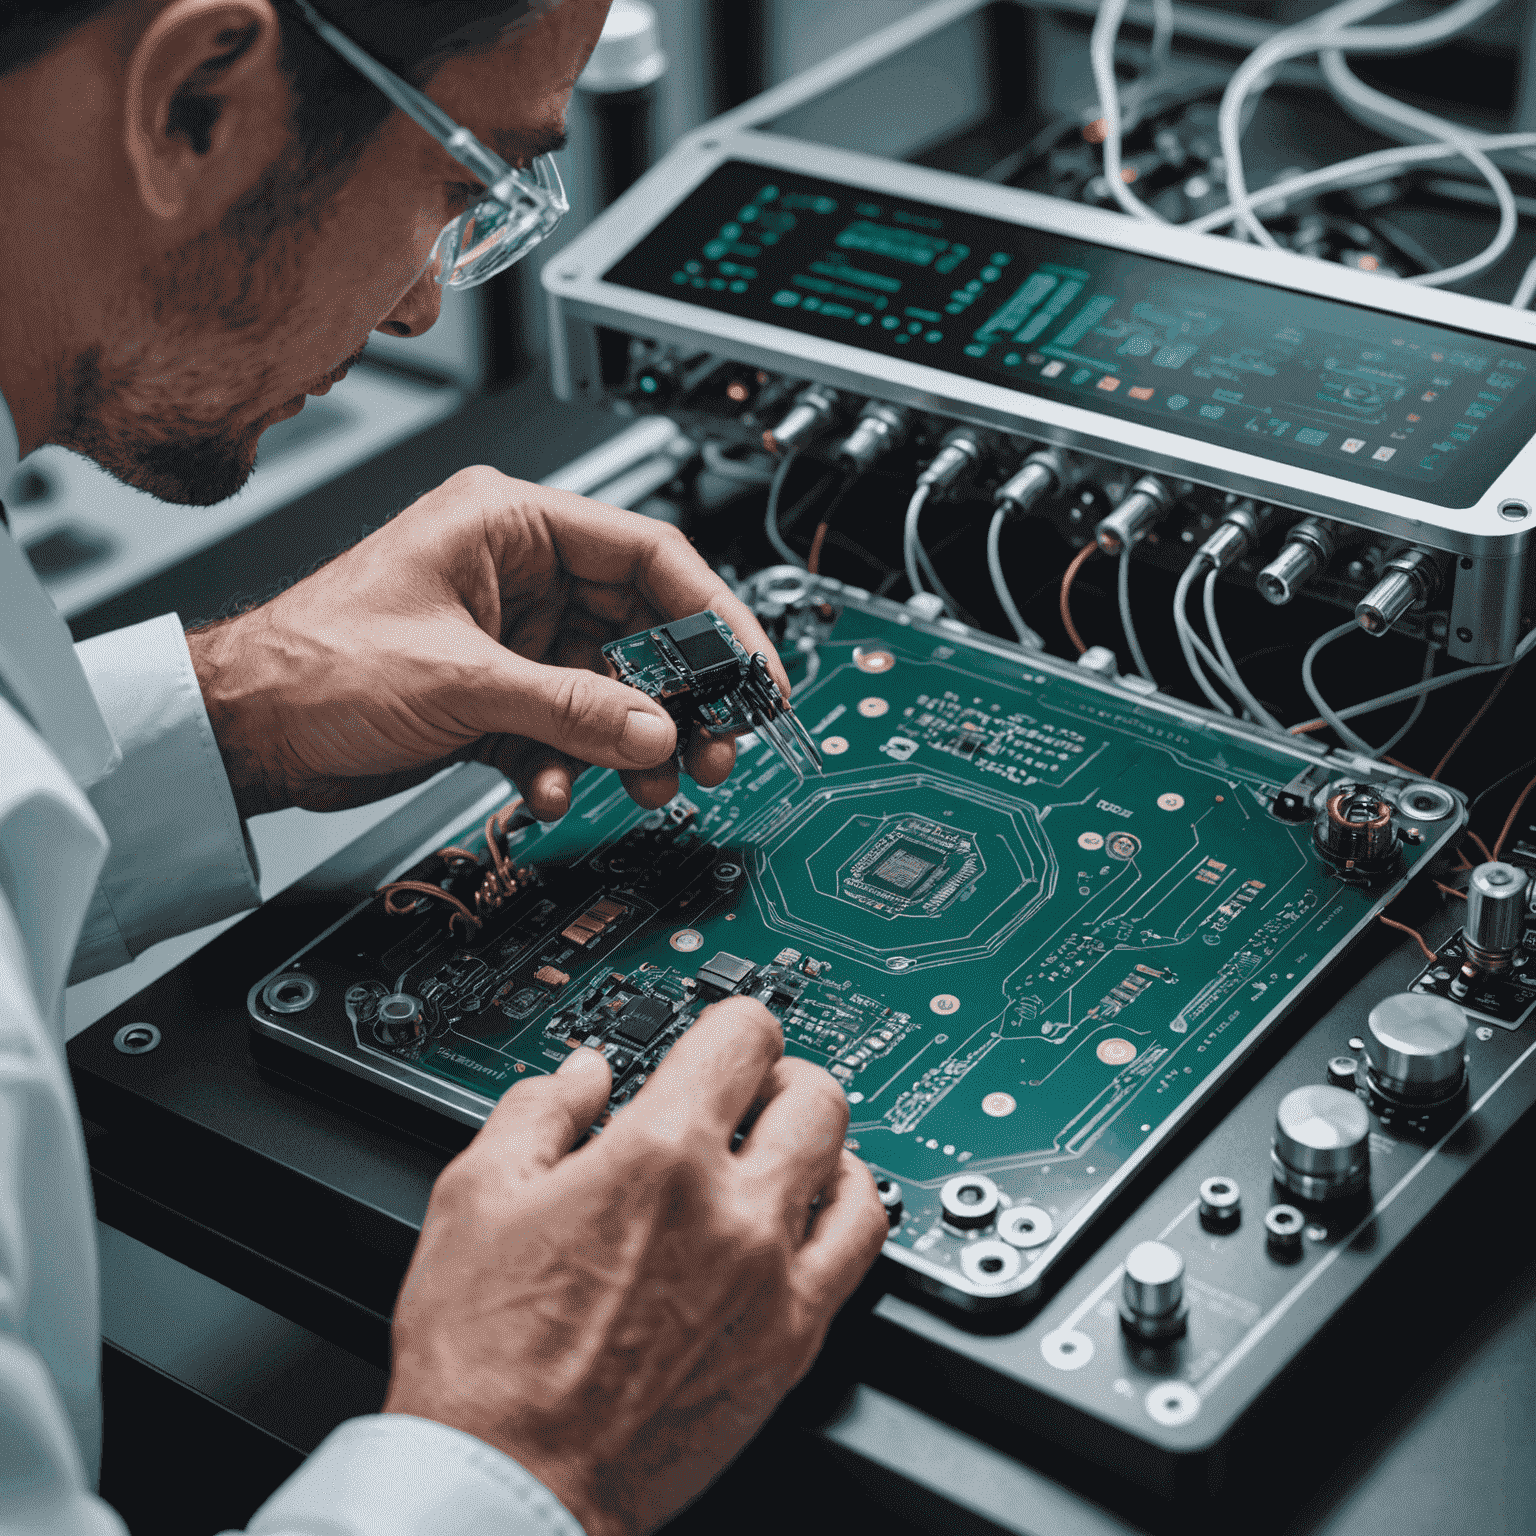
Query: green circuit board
x=1024, y=918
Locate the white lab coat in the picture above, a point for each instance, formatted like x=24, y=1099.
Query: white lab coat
x=118, y=829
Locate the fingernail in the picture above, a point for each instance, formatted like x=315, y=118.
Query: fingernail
x=647, y=739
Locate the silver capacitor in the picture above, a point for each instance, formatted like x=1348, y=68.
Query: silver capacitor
x=1496, y=895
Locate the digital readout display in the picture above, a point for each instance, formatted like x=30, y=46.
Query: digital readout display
x=1370, y=397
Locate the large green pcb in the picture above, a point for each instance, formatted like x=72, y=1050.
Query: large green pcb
x=1025, y=917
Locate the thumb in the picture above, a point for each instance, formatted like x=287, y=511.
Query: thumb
x=592, y=718
x=540, y=1120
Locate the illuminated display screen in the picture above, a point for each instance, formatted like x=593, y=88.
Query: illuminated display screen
x=1373, y=398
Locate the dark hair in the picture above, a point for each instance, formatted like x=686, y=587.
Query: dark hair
x=337, y=111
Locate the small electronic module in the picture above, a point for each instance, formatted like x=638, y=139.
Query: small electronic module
x=698, y=671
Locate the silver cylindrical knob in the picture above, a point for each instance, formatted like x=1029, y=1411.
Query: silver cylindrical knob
x=1308, y=548
x=1147, y=503
x=1410, y=579
x=1322, y=1148
x=1415, y=1047
x=814, y=406
x=880, y=428
x=1496, y=899
x=1152, y=1295
x=1038, y=476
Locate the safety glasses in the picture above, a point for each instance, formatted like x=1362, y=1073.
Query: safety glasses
x=519, y=209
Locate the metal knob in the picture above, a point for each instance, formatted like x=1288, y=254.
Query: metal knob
x=1322, y=1148
x=1496, y=895
x=1415, y=1046
x=1152, y=1296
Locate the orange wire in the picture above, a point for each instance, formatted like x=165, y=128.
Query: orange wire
x=1471, y=724
x=1509, y=821
x=1308, y=726
x=813, y=560
x=1450, y=890
x=1482, y=847
x=1079, y=560
x=1413, y=933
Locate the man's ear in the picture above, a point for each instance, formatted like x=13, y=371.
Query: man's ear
x=207, y=106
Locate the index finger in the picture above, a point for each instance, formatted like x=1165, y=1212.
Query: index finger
x=713, y=1076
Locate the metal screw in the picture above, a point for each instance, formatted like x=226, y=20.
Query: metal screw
x=136, y=1039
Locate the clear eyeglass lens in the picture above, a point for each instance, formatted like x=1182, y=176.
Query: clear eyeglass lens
x=490, y=236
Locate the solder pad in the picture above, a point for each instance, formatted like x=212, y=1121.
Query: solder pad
x=1028, y=918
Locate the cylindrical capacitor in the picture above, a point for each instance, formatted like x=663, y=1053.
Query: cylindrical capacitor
x=1152, y=1295
x=1496, y=899
x=1322, y=1148
x=1147, y=503
x=1415, y=1047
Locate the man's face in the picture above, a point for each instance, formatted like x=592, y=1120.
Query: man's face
x=232, y=334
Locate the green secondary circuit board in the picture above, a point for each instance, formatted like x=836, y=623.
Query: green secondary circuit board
x=1026, y=917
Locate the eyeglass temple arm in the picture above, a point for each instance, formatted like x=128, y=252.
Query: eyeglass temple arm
x=487, y=167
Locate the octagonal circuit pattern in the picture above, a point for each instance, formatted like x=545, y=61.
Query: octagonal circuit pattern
x=949, y=870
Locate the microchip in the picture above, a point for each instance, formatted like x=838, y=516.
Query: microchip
x=725, y=972
x=710, y=656
x=903, y=869
x=551, y=977
x=643, y=1019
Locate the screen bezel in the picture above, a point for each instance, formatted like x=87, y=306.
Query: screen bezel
x=575, y=284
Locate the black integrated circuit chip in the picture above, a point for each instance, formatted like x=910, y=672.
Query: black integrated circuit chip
x=642, y=1019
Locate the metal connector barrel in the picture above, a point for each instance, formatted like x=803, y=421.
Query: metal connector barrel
x=814, y=407
x=1308, y=548
x=1038, y=477
x=880, y=428
x=1410, y=579
x=1146, y=504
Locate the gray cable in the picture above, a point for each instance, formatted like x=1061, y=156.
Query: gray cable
x=1191, y=643
x=1024, y=634
x=771, y=519
x=1127, y=623
x=1228, y=668
x=915, y=557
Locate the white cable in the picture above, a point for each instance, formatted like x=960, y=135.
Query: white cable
x=1229, y=670
x=1382, y=112
x=771, y=518
x=1189, y=642
x=1527, y=288
x=1127, y=622
x=909, y=544
x=1330, y=30
x=1369, y=167
x=1025, y=635
x=1101, y=54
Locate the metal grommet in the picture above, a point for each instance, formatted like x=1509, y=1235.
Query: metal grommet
x=1172, y=1403
x=1514, y=511
x=1221, y=1203
x=1026, y=1226
x=292, y=992
x=969, y=1200
x=1426, y=802
x=990, y=1262
x=1067, y=1349
x=890, y=1197
x=136, y=1039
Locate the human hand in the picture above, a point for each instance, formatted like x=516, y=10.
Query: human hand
x=622, y=1319
x=470, y=626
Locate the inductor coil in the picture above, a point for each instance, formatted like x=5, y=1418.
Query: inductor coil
x=1353, y=831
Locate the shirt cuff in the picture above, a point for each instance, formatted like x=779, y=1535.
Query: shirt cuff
x=394, y=1475
x=180, y=855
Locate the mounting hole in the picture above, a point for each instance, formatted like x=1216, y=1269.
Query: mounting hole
x=1067, y=1349
x=1026, y=1226
x=136, y=1039
x=1172, y=1403
x=292, y=992
x=1514, y=511
x=1426, y=802
x=969, y=1200
x=990, y=1262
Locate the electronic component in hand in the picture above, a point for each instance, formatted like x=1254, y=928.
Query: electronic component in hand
x=698, y=671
